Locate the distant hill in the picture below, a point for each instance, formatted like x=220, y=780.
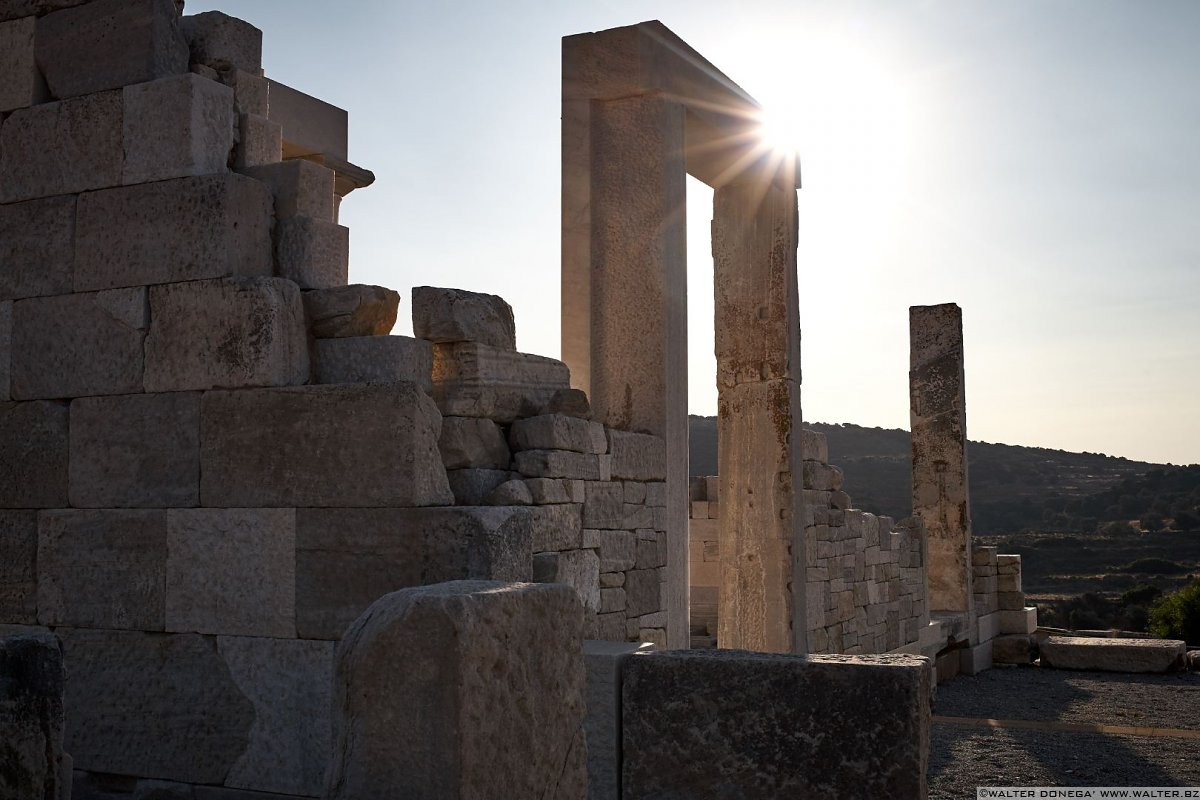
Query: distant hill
x=1013, y=488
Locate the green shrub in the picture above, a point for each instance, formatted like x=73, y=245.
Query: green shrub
x=1140, y=595
x=1154, y=566
x=1177, y=615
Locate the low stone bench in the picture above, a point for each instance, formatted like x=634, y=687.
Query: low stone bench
x=1113, y=655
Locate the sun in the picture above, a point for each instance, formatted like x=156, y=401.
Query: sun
x=780, y=130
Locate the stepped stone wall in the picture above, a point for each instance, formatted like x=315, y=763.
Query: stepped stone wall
x=213, y=455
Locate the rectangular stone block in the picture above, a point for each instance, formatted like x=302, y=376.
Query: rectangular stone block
x=62, y=148
x=231, y=571
x=314, y=254
x=223, y=42
x=477, y=380
x=638, y=456
x=259, y=142
x=181, y=230
x=33, y=438
x=177, y=127
x=1113, y=655
x=108, y=44
x=814, y=446
x=21, y=84
x=351, y=311
x=375, y=359
x=347, y=559
x=15, y=9
x=455, y=315
x=557, y=527
x=1023, y=621
x=301, y=188
x=432, y=731
x=6, y=320
x=558, y=432
x=224, y=334
x=31, y=718
x=290, y=685
x=135, y=451
x=197, y=709
x=102, y=569
x=989, y=626
x=18, y=567
x=975, y=659
x=470, y=442
x=604, y=662
x=37, y=247
x=1013, y=649
x=328, y=446
x=557, y=464
x=785, y=729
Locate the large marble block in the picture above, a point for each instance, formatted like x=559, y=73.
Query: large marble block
x=62, y=148
x=177, y=127
x=1113, y=655
x=346, y=445
x=605, y=662
x=79, y=345
x=185, y=229
x=18, y=567
x=313, y=253
x=135, y=451
x=21, y=84
x=102, y=569
x=456, y=315
x=231, y=571
x=757, y=725
x=37, y=247
x=31, y=718
x=347, y=558
x=244, y=712
x=374, y=359
x=478, y=380
x=108, y=44
x=468, y=689
x=301, y=188
x=352, y=311
x=33, y=438
x=473, y=443
x=223, y=42
x=226, y=333
x=558, y=432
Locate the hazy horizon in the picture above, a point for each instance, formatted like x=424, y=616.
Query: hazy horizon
x=1035, y=162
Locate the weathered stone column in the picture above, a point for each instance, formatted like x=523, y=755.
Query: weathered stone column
x=637, y=290
x=758, y=426
x=939, y=451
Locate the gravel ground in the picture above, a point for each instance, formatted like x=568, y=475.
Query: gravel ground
x=963, y=758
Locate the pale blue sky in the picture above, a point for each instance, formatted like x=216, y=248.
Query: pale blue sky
x=1035, y=161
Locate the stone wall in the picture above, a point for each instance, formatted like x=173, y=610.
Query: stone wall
x=213, y=457
x=865, y=574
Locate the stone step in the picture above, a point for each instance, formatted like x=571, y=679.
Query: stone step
x=1113, y=655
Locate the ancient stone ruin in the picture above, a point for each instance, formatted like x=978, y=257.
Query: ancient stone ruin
x=282, y=553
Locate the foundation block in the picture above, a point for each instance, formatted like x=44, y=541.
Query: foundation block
x=344, y=445
x=18, y=567
x=186, y=229
x=461, y=715
x=346, y=559
x=102, y=569
x=79, y=344
x=37, y=248
x=177, y=127
x=314, y=254
x=376, y=359
x=785, y=728
x=21, y=84
x=33, y=437
x=135, y=451
x=62, y=148
x=226, y=333
x=108, y=44
x=231, y=571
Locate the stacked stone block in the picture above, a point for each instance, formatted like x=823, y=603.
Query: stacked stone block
x=865, y=575
x=1015, y=622
x=195, y=519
